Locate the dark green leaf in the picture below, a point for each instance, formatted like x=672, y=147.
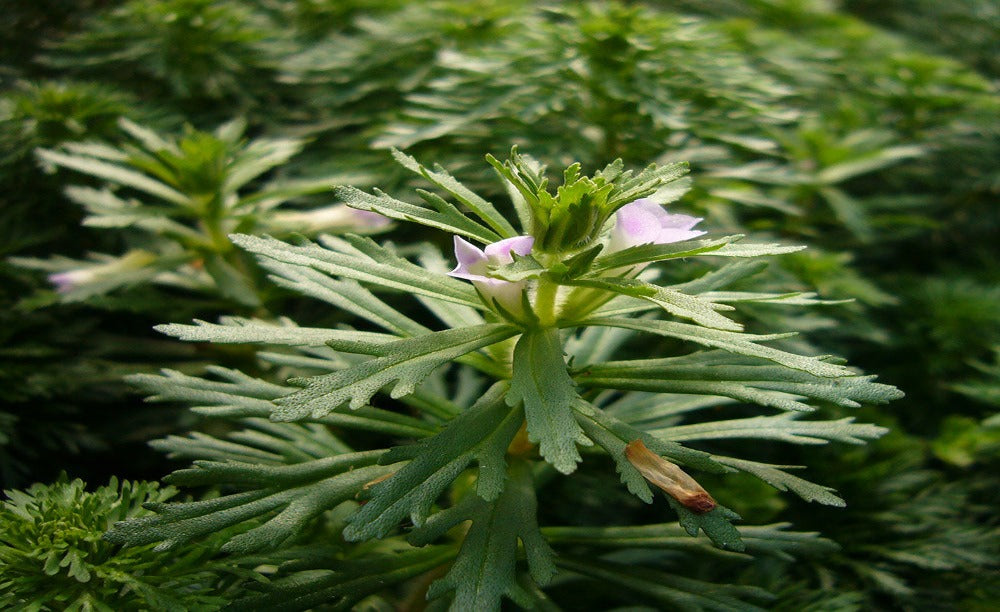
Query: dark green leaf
x=541, y=382
x=484, y=571
x=481, y=433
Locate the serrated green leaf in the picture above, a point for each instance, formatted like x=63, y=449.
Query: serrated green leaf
x=592, y=418
x=720, y=374
x=105, y=209
x=541, y=382
x=115, y=174
x=613, y=435
x=253, y=474
x=345, y=583
x=238, y=330
x=404, y=363
x=528, y=182
x=722, y=277
x=522, y=268
x=347, y=295
x=615, y=447
x=440, y=177
x=482, y=434
x=648, y=253
x=749, y=249
x=580, y=263
x=442, y=216
x=484, y=570
x=716, y=523
x=651, y=410
x=374, y=265
x=652, y=178
x=239, y=396
x=257, y=157
x=772, y=540
x=679, y=304
x=786, y=299
x=178, y=523
x=784, y=427
x=784, y=481
x=733, y=342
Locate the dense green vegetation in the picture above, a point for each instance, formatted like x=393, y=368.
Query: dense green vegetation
x=149, y=148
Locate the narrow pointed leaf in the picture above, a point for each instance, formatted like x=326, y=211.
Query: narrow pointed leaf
x=764, y=384
x=341, y=584
x=783, y=481
x=115, y=174
x=738, y=343
x=442, y=216
x=483, y=209
x=237, y=330
x=883, y=158
x=679, y=304
x=375, y=265
x=240, y=396
x=648, y=253
x=178, y=523
x=784, y=427
x=670, y=591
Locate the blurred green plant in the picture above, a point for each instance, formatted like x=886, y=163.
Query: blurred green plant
x=55, y=556
x=965, y=29
x=191, y=51
x=589, y=83
x=26, y=26
x=45, y=114
x=986, y=387
x=174, y=202
x=914, y=536
x=808, y=168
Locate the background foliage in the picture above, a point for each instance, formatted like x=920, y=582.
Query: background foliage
x=866, y=130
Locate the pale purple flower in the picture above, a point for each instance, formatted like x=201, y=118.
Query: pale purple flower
x=646, y=222
x=474, y=265
x=65, y=282
x=104, y=268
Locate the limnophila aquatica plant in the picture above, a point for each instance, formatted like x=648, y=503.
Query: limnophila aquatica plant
x=529, y=368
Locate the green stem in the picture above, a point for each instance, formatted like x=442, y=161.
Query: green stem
x=545, y=303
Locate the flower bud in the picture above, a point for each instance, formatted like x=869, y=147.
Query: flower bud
x=671, y=479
